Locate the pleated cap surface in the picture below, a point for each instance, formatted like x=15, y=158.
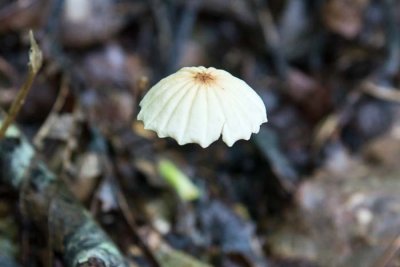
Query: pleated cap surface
x=198, y=105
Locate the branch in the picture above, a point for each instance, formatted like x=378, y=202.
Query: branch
x=50, y=205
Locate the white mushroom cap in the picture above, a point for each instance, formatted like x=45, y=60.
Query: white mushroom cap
x=198, y=104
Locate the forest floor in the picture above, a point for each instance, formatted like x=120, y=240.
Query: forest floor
x=84, y=184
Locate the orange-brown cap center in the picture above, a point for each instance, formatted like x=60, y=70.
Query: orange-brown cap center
x=204, y=78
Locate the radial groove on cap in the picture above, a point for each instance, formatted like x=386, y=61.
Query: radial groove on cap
x=198, y=105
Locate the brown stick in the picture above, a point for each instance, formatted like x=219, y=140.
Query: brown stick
x=35, y=62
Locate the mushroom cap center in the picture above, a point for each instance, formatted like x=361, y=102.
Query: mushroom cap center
x=204, y=78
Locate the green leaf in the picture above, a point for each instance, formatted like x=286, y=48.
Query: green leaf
x=178, y=180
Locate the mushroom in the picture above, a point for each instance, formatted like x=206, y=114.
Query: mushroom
x=198, y=105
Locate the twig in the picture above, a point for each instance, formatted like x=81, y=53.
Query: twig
x=110, y=171
x=334, y=122
x=389, y=254
x=124, y=206
x=35, y=62
x=381, y=92
x=45, y=128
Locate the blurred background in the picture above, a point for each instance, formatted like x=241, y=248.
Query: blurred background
x=319, y=185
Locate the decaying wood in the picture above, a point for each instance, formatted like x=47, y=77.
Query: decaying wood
x=46, y=201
